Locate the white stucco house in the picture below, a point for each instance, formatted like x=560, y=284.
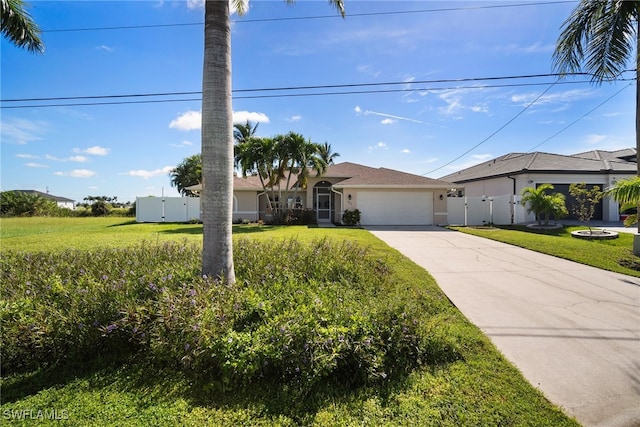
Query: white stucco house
x=62, y=202
x=507, y=175
x=383, y=196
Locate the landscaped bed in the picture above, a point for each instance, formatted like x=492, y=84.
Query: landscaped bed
x=324, y=327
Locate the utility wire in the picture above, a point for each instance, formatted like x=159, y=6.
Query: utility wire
x=497, y=131
x=299, y=18
x=313, y=87
x=286, y=95
x=579, y=118
x=281, y=95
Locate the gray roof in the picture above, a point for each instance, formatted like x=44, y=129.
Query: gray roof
x=45, y=195
x=592, y=162
x=363, y=176
x=355, y=175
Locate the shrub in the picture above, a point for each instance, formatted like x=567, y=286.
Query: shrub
x=299, y=314
x=351, y=217
x=294, y=217
x=18, y=203
x=100, y=208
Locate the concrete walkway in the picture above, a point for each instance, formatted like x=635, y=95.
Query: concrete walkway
x=572, y=330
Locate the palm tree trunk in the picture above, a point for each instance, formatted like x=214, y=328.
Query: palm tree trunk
x=217, y=144
x=636, y=238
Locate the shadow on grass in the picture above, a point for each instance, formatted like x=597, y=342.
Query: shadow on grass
x=132, y=376
x=130, y=222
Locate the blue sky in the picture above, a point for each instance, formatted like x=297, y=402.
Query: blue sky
x=431, y=129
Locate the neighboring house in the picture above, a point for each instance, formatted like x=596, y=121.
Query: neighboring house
x=383, y=196
x=62, y=202
x=509, y=174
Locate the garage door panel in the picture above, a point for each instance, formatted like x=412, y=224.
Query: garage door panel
x=395, y=208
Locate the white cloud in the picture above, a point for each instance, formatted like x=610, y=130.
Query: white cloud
x=183, y=144
x=388, y=121
x=27, y=156
x=79, y=159
x=192, y=120
x=35, y=165
x=77, y=173
x=199, y=4
x=454, y=98
x=146, y=174
x=21, y=131
x=368, y=70
x=105, y=48
x=244, y=116
x=595, y=139
x=96, y=150
x=379, y=146
x=552, y=98
x=295, y=118
x=405, y=151
x=393, y=118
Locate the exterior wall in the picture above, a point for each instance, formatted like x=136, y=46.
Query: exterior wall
x=66, y=205
x=504, y=185
x=440, y=212
x=245, y=205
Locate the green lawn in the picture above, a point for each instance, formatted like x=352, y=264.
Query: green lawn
x=478, y=388
x=613, y=255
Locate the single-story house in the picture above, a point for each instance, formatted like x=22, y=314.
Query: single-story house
x=383, y=197
x=62, y=202
x=510, y=173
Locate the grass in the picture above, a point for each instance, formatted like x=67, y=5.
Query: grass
x=613, y=255
x=478, y=388
x=55, y=234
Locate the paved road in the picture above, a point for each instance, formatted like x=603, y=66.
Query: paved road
x=572, y=330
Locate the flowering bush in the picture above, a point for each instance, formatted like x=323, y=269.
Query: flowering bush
x=298, y=313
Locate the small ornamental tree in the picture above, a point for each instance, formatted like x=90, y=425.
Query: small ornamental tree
x=586, y=201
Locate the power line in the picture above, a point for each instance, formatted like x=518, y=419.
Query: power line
x=299, y=18
x=285, y=95
x=579, y=118
x=497, y=131
x=290, y=89
x=309, y=87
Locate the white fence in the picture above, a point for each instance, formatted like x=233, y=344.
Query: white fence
x=167, y=209
x=499, y=210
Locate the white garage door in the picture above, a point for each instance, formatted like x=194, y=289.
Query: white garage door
x=395, y=208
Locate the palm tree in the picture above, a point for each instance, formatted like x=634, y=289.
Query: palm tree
x=327, y=154
x=537, y=200
x=187, y=173
x=627, y=193
x=242, y=132
x=18, y=26
x=603, y=34
x=217, y=139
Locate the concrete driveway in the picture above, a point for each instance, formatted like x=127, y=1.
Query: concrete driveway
x=572, y=330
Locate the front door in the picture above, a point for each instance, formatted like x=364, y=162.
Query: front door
x=323, y=204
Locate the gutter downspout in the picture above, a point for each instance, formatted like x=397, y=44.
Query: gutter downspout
x=513, y=201
x=341, y=204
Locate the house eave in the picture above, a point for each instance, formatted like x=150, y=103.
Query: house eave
x=392, y=187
